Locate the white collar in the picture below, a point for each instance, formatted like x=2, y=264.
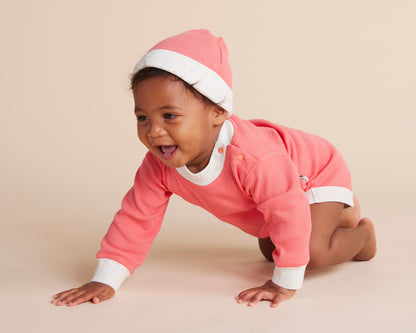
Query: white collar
x=216, y=162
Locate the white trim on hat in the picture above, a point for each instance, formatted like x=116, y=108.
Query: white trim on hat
x=201, y=77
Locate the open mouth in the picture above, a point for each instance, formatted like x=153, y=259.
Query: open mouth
x=167, y=152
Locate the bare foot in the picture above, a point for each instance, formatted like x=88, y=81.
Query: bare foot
x=370, y=249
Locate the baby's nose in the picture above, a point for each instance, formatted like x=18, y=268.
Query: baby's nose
x=155, y=130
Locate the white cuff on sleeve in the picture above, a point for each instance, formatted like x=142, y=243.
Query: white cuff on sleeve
x=289, y=277
x=110, y=272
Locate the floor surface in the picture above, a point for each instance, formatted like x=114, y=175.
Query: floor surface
x=189, y=284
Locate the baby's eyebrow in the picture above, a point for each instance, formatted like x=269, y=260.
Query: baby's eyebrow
x=170, y=107
x=164, y=107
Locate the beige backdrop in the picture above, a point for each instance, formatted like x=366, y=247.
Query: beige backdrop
x=342, y=69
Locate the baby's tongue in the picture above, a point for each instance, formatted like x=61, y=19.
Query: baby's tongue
x=167, y=149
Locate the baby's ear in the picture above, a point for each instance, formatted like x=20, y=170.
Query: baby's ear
x=219, y=115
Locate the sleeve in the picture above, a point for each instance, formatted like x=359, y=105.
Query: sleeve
x=135, y=226
x=274, y=186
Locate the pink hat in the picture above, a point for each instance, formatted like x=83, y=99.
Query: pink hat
x=198, y=58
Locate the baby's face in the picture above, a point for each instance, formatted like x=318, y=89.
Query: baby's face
x=174, y=125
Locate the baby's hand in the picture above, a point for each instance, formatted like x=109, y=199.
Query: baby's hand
x=93, y=291
x=269, y=292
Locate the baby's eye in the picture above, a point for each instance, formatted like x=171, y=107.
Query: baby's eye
x=169, y=116
x=141, y=118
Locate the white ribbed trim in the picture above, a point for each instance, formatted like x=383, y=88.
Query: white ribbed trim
x=201, y=77
x=110, y=272
x=330, y=193
x=289, y=277
x=216, y=162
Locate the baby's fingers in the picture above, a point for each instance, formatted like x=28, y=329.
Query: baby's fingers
x=65, y=297
x=92, y=291
x=245, y=296
x=82, y=298
x=60, y=298
x=276, y=301
x=251, y=296
x=77, y=297
x=256, y=298
x=95, y=296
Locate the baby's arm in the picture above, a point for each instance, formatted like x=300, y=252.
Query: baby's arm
x=285, y=207
x=268, y=292
x=93, y=291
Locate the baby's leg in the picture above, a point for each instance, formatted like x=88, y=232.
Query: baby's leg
x=333, y=229
x=335, y=239
x=350, y=216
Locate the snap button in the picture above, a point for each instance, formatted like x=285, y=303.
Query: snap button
x=240, y=157
x=220, y=150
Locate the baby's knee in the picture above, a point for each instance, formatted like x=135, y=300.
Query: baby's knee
x=350, y=216
x=316, y=263
x=318, y=258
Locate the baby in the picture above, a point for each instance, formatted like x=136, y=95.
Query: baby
x=290, y=189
